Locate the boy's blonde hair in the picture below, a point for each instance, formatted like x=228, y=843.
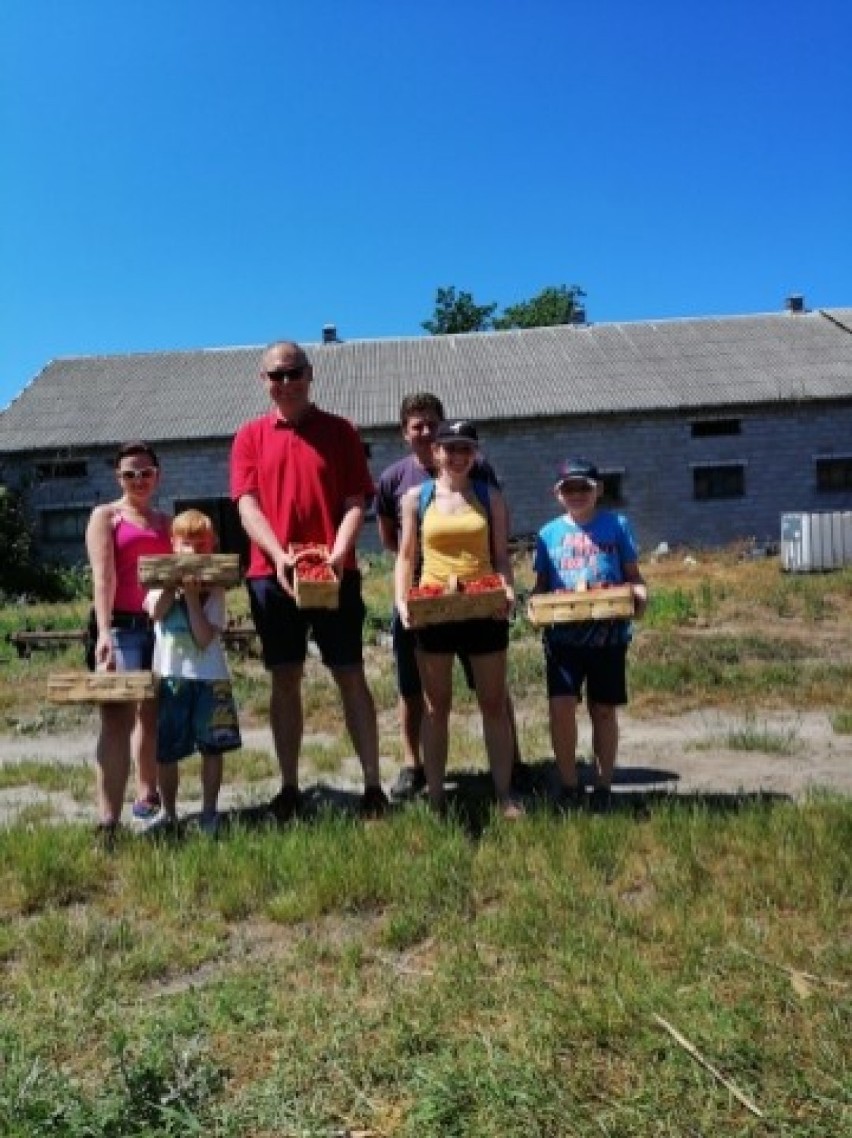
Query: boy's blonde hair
x=193, y=524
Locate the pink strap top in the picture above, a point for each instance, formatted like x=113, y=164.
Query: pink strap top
x=132, y=542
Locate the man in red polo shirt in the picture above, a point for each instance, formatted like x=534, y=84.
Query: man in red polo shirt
x=299, y=474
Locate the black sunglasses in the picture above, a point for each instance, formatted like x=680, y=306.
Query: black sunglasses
x=286, y=374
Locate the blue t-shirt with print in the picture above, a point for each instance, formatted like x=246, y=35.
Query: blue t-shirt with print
x=568, y=553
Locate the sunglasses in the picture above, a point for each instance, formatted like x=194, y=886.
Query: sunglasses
x=458, y=448
x=144, y=472
x=575, y=488
x=286, y=374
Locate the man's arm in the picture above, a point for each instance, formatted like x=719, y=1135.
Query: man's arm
x=354, y=509
x=388, y=533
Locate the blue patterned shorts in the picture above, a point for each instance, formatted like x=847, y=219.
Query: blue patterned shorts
x=195, y=715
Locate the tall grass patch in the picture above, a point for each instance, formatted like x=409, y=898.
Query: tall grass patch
x=412, y=978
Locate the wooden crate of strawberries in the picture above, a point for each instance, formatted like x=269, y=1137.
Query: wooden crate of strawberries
x=315, y=583
x=101, y=687
x=167, y=570
x=460, y=600
x=602, y=602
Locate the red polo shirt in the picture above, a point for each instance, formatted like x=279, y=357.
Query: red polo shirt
x=301, y=475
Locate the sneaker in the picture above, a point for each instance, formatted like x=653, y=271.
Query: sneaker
x=163, y=826
x=570, y=798
x=374, y=803
x=286, y=805
x=409, y=784
x=147, y=807
x=601, y=800
x=209, y=824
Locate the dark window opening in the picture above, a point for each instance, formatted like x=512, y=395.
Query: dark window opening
x=613, y=490
x=64, y=526
x=48, y=471
x=833, y=474
x=718, y=482
x=225, y=517
x=712, y=428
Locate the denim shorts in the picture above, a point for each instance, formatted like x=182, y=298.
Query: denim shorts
x=134, y=649
x=283, y=627
x=132, y=641
x=195, y=715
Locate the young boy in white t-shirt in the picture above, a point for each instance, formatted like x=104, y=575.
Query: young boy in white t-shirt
x=196, y=709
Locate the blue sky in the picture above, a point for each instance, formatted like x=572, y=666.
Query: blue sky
x=202, y=173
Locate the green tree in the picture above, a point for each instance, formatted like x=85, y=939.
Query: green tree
x=16, y=543
x=556, y=304
x=458, y=312
x=21, y=569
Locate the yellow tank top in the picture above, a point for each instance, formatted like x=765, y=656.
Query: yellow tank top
x=454, y=544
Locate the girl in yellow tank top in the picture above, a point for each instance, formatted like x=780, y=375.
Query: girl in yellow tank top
x=455, y=537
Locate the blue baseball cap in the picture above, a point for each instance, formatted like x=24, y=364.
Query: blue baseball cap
x=578, y=470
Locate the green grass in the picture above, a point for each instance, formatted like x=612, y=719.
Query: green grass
x=417, y=977
x=411, y=979
x=752, y=735
x=841, y=721
x=50, y=777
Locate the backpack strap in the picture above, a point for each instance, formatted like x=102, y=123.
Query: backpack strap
x=427, y=494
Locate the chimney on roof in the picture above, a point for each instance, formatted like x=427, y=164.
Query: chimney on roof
x=795, y=304
x=329, y=334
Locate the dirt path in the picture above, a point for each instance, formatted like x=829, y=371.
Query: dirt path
x=684, y=755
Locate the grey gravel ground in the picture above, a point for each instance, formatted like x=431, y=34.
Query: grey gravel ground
x=684, y=755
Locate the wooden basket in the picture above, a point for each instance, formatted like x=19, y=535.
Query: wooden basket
x=167, y=570
x=616, y=601
x=453, y=605
x=314, y=594
x=101, y=687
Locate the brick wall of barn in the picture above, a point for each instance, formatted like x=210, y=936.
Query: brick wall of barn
x=655, y=456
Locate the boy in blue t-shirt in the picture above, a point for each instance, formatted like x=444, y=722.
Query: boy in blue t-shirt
x=586, y=546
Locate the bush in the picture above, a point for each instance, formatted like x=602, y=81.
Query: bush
x=21, y=572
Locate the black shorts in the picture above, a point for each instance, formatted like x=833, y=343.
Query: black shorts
x=464, y=637
x=604, y=671
x=283, y=627
x=407, y=675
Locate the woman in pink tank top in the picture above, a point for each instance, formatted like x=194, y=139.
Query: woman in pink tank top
x=120, y=634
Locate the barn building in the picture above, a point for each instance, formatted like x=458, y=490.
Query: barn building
x=706, y=429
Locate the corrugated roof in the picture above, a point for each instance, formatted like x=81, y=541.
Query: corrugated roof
x=542, y=372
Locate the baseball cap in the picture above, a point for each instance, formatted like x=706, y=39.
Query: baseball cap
x=578, y=470
x=455, y=431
